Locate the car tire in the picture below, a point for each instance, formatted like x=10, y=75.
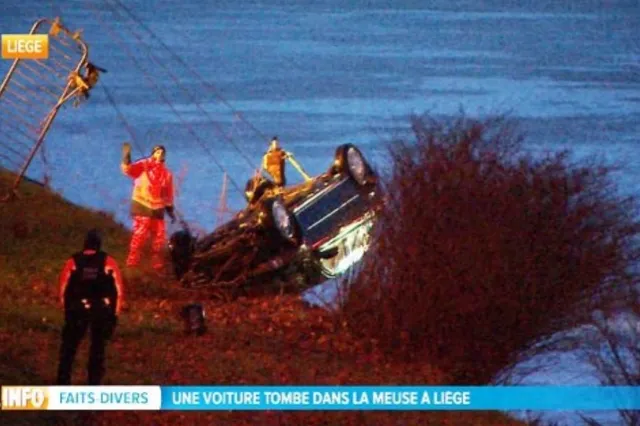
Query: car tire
x=343, y=165
x=291, y=235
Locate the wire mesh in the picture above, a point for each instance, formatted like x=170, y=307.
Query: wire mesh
x=33, y=92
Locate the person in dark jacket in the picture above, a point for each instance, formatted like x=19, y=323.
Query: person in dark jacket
x=91, y=293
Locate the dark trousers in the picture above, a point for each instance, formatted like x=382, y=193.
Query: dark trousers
x=75, y=327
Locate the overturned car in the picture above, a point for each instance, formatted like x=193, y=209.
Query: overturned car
x=287, y=238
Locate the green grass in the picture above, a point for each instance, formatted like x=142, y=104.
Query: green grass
x=273, y=340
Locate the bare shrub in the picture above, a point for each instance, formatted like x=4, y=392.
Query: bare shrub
x=483, y=252
x=611, y=346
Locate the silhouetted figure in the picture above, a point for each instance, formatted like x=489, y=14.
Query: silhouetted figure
x=91, y=293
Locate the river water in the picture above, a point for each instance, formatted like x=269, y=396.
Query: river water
x=320, y=73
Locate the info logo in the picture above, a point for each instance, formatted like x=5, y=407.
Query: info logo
x=25, y=398
x=25, y=46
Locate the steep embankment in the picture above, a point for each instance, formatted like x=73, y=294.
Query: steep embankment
x=273, y=340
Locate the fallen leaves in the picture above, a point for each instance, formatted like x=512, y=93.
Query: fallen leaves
x=256, y=341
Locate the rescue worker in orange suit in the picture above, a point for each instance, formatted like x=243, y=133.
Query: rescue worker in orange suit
x=91, y=293
x=152, y=198
x=273, y=162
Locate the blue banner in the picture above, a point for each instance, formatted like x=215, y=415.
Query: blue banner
x=399, y=398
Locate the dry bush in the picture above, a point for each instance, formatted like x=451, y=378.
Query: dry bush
x=483, y=252
x=611, y=346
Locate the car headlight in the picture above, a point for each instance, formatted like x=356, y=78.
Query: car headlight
x=357, y=165
x=283, y=220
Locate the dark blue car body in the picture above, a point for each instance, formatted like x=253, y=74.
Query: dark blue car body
x=315, y=220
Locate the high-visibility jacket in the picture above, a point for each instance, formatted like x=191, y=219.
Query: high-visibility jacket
x=273, y=163
x=153, y=188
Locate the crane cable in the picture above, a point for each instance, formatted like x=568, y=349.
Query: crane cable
x=186, y=66
x=186, y=91
x=122, y=118
x=165, y=99
x=134, y=139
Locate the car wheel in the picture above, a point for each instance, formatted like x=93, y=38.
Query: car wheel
x=350, y=160
x=284, y=221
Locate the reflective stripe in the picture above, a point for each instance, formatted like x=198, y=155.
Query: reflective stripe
x=156, y=195
x=334, y=211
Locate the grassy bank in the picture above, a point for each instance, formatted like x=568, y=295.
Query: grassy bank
x=276, y=340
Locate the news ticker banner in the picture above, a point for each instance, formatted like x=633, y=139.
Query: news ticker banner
x=241, y=398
